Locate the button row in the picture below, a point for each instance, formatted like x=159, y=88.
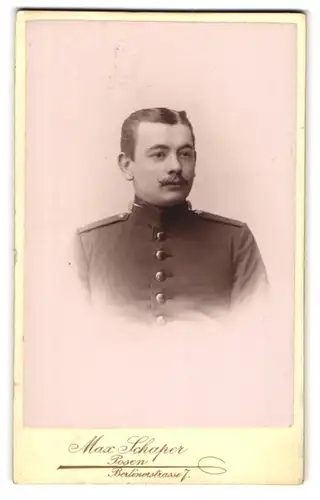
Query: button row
x=160, y=276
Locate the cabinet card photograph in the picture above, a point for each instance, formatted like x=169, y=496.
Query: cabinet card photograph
x=159, y=234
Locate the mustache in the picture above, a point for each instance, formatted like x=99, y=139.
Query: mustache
x=175, y=180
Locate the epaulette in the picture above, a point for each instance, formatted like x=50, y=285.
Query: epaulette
x=104, y=222
x=219, y=218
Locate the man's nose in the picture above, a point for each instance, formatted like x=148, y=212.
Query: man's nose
x=174, y=164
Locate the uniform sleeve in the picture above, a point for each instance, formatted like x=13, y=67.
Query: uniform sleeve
x=249, y=270
x=81, y=261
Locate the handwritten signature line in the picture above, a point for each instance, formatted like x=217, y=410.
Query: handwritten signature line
x=133, y=467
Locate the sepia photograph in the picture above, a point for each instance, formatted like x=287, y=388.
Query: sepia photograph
x=159, y=229
x=165, y=257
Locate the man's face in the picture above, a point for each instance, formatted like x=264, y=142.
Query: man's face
x=164, y=163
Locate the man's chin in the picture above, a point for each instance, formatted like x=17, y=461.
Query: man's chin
x=166, y=197
x=172, y=197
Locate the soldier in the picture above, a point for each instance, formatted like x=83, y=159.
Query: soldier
x=162, y=258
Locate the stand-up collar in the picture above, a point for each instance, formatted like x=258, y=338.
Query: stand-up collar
x=145, y=213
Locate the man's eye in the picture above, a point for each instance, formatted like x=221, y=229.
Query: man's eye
x=186, y=154
x=159, y=155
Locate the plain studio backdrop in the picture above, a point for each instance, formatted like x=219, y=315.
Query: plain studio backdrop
x=237, y=82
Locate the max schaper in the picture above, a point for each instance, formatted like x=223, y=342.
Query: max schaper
x=137, y=445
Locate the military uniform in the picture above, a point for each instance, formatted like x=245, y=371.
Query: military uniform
x=164, y=262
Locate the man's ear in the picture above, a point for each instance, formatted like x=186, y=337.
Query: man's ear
x=125, y=164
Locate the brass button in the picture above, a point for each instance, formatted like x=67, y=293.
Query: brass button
x=160, y=276
x=161, y=320
x=160, y=298
x=161, y=236
x=160, y=254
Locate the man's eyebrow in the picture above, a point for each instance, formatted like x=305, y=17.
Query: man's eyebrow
x=158, y=146
x=165, y=146
x=187, y=145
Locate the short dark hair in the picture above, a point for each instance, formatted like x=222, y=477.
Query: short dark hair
x=151, y=115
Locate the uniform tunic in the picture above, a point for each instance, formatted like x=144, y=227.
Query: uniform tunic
x=165, y=262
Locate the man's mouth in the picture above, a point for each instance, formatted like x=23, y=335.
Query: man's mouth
x=174, y=183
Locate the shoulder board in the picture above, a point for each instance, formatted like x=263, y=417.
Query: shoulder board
x=104, y=222
x=219, y=218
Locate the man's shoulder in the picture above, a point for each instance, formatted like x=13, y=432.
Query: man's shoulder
x=219, y=219
x=108, y=221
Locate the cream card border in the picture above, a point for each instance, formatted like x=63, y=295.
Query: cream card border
x=236, y=456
